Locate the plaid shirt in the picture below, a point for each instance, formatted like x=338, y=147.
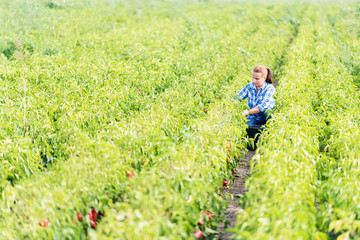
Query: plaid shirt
x=263, y=100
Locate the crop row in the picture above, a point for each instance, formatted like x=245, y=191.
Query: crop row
x=345, y=22
x=304, y=182
x=280, y=202
x=338, y=192
x=176, y=149
x=46, y=99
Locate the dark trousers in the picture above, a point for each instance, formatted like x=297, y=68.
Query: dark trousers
x=264, y=117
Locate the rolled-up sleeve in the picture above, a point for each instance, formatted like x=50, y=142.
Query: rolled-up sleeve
x=243, y=94
x=268, y=102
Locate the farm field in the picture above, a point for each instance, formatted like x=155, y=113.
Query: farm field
x=117, y=119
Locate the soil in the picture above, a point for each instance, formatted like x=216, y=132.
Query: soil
x=237, y=187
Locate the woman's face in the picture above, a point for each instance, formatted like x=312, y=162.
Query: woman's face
x=258, y=79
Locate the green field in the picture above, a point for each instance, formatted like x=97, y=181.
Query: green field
x=117, y=119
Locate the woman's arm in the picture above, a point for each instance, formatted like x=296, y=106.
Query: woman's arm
x=254, y=110
x=243, y=94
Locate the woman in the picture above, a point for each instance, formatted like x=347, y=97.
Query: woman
x=259, y=92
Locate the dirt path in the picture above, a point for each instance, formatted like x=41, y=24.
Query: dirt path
x=238, y=187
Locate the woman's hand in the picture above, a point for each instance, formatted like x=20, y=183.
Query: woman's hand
x=246, y=112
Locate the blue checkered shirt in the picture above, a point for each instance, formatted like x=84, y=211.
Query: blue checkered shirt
x=263, y=100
